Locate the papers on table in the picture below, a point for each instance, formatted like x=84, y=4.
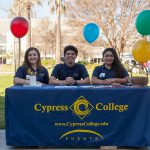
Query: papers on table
x=36, y=85
x=103, y=86
x=82, y=86
x=79, y=86
x=64, y=86
x=86, y=86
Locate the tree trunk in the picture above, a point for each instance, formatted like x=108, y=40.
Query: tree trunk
x=29, y=21
x=29, y=35
x=58, y=38
x=19, y=51
x=14, y=57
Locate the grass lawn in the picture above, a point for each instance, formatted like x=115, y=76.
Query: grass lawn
x=6, y=81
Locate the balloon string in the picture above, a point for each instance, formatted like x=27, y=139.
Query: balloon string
x=148, y=38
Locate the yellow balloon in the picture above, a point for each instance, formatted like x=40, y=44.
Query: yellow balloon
x=141, y=51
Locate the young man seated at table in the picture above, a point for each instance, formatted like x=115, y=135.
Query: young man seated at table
x=69, y=73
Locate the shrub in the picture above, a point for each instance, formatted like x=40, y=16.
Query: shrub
x=48, y=62
x=83, y=62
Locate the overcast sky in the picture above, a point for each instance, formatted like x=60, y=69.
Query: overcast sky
x=41, y=11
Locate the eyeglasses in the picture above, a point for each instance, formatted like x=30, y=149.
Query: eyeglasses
x=108, y=56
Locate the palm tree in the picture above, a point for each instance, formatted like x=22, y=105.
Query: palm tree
x=57, y=6
x=29, y=4
x=24, y=8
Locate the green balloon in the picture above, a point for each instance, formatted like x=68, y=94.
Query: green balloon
x=143, y=22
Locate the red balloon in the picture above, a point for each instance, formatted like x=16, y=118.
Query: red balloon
x=19, y=27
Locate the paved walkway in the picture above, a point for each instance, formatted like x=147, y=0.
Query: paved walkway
x=4, y=147
x=6, y=72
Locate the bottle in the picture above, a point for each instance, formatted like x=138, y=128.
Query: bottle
x=28, y=78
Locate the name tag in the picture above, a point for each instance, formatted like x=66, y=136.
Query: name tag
x=102, y=75
x=41, y=74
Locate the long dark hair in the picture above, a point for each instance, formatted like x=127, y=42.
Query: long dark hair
x=26, y=63
x=116, y=65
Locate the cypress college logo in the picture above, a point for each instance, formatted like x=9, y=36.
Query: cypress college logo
x=81, y=107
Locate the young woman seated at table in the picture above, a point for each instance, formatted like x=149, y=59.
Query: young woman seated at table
x=111, y=72
x=31, y=66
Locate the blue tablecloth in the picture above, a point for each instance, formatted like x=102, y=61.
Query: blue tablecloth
x=77, y=116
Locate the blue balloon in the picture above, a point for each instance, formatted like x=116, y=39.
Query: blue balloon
x=91, y=32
